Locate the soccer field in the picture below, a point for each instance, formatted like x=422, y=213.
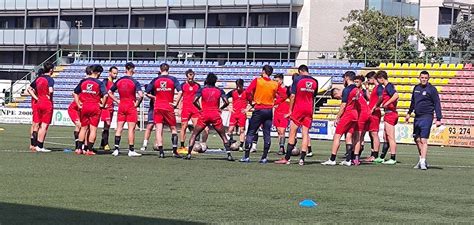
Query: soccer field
x=63, y=188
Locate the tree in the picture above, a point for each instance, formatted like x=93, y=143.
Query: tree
x=436, y=49
x=462, y=37
x=375, y=38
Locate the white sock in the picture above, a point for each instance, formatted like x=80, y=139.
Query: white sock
x=254, y=146
x=145, y=143
x=422, y=160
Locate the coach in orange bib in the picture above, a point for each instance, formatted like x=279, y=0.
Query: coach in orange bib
x=262, y=92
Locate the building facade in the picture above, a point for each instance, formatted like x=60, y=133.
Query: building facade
x=246, y=30
x=31, y=30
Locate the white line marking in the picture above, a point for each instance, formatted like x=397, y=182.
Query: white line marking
x=56, y=143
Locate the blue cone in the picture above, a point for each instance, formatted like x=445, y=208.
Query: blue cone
x=308, y=203
x=67, y=150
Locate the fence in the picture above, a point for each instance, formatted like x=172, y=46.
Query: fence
x=370, y=58
x=25, y=81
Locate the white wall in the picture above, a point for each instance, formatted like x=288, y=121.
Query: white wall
x=322, y=28
x=429, y=16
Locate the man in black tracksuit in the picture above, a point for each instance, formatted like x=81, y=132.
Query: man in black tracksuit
x=424, y=101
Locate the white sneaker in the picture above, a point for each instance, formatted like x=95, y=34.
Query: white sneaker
x=143, y=148
x=38, y=149
x=345, y=163
x=134, y=154
x=423, y=166
x=329, y=163
x=417, y=166
x=116, y=152
x=310, y=154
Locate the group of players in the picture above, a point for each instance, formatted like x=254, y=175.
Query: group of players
x=269, y=100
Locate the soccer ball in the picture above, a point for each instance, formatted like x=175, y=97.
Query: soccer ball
x=295, y=152
x=197, y=148
x=234, y=146
x=203, y=147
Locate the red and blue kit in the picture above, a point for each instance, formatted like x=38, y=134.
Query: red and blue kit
x=90, y=91
x=43, y=109
x=364, y=112
x=74, y=112
x=283, y=108
x=34, y=111
x=189, y=110
x=210, y=111
x=391, y=114
x=348, y=120
x=239, y=104
x=374, y=119
x=163, y=88
x=127, y=88
x=305, y=89
x=108, y=110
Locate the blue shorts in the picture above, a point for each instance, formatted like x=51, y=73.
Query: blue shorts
x=422, y=127
x=150, y=115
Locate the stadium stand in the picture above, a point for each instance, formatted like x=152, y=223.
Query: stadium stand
x=68, y=76
x=455, y=83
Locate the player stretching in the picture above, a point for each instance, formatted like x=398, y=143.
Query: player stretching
x=362, y=122
x=127, y=88
x=188, y=111
x=303, y=91
x=389, y=103
x=238, y=116
x=41, y=91
x=346, y=119
x=108, y=110
x=373, y=126
x=34, y=125
x=161, y=89
x=210, y=97
x=424, y=101
x=89, y=95
x=282, y=108
x=262, y=91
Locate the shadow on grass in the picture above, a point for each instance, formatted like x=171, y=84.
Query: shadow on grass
x=27, y=214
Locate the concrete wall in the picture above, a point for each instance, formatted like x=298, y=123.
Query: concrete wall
x=322, y=28
x=429, y=15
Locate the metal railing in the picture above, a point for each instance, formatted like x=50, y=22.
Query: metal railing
x=29, y=77
x=369, y=58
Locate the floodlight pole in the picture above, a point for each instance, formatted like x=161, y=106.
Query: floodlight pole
x=78, y=25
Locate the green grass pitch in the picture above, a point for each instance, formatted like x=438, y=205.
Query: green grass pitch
x=62, y=188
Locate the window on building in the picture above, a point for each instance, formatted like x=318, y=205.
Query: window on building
x=446, y=15
x=141, y=22
x=242, y=21
x=194, y=23
x=41, y=22
x=262, y=20
x=3, y=24
x=20, y=22
x=221, y=20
